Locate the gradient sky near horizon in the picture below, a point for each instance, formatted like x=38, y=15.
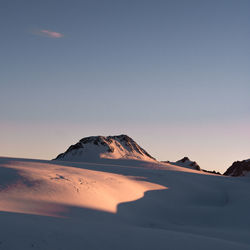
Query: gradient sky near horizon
x=173, y=75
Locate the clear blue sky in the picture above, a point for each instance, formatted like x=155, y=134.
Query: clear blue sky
x=174, y=75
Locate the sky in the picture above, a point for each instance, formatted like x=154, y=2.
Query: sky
x=173, y=75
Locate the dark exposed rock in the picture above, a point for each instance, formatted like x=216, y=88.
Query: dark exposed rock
x=184, y=159
x=212, y=172
x=111, y=149
x=238, y=168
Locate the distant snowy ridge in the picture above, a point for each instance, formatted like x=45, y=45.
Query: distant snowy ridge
x=186, y=163
x=239, y=168
x=110, y=147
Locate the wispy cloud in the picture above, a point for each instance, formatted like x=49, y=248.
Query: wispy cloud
x=49, y=33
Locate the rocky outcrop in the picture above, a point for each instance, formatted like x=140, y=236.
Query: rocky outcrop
x=239, y=168
x=211, y=172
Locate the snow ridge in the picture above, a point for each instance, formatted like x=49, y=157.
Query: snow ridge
x=186, y=163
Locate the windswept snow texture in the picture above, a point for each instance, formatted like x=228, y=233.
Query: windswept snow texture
x=239, y=168
x=120, y=204
x=94, y=148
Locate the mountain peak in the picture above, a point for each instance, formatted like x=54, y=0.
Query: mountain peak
x=184, y=159
x=186, y=162
x=109, y=147
x=239, y=168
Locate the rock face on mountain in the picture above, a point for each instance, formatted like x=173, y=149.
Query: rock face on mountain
x=211, y=172
x=239, y=168
x=186, y=163
x=110, y=147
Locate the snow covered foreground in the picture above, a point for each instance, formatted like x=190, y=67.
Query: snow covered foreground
x=120, y=204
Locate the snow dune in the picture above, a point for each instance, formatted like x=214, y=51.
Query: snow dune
x=47, y=189
x=120, y=204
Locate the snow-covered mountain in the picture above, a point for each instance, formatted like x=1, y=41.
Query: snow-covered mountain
x=186, y=163
x=110, y=147
x=239, y=168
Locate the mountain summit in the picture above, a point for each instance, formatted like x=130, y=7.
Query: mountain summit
x=186, y=163
x=110, y=147
x=239, y=168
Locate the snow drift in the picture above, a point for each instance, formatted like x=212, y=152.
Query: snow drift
x=125, y=204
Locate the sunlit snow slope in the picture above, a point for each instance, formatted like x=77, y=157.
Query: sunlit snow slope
x=120, y=204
